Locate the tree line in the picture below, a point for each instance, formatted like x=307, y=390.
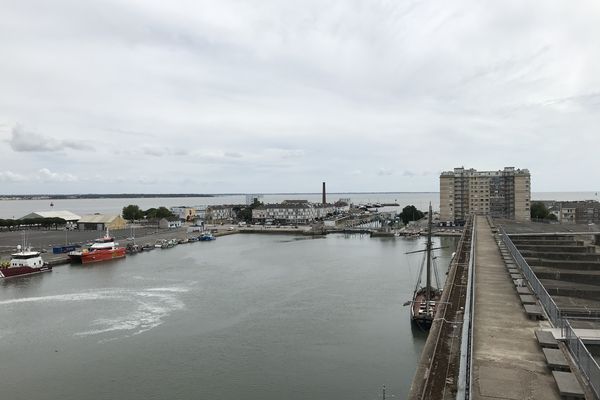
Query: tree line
x=134, y=212
x=33, y=223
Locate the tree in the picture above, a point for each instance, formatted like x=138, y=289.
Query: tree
x=540, y=211
x=132, y=212
x=410, y=213
x=150, y=213
x=164, y=212
x=245, y=213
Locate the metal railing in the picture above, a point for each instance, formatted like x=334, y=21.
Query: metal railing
x=586, y=363
x=550, y=307
x=465, y=374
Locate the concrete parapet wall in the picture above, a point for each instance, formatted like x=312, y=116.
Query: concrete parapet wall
x=568, y=276
x=555, y=248
x=547, y=243
x=564, y=264
x=534, y=255
x=572, y=291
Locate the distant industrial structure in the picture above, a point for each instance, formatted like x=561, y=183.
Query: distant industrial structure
x=502, y=194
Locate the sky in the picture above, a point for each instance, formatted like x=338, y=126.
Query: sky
x=264, y=96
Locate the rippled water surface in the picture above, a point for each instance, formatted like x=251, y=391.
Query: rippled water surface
x=245, y=316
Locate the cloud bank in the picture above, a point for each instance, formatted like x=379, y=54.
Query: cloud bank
x=266, y=96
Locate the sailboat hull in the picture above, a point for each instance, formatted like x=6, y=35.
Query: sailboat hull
x=422, y=313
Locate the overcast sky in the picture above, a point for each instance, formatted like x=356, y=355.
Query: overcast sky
x=275, y=96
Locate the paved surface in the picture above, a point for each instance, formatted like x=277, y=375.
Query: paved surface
x=507, y=360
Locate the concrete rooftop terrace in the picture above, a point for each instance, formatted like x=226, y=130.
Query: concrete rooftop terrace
x=508, y=363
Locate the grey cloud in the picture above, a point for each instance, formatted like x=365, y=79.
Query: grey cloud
x=154, y=151
x=46, y=175
x=43, y=175
x=9, y=176
x=383, y=83
x=384, y=172
x=158, y=151
x=24, y=141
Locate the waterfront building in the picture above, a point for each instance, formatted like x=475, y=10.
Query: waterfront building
x=342, y=206
x=291, y=212
x=287, y=213
x=169, y=223
x=323, y=210
x=66, y=215
x=220, y=213
x=502, y=194
x=184, y=213
x=100, y=222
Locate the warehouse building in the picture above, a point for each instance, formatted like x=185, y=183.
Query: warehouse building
x=99, y=222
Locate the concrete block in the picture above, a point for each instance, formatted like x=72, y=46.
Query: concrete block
x=513, y=271
x=516, y=276
x=533, y=311
x=546, y=339
x=523, y=290
x=568, y=385
x=528, y=299
x=556, y=360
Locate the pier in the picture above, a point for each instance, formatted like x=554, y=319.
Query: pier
x=530, y=315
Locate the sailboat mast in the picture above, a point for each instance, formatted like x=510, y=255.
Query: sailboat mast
x=428, y=286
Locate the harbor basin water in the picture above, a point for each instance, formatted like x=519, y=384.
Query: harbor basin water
x=245, y=316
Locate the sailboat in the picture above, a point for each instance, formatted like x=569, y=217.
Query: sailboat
x=425, y=298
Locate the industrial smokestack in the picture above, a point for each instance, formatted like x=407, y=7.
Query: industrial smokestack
x=324, y=194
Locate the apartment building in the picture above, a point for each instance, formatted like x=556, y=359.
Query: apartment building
x=503, y=194
x=580, y=212
x=220, y=214
x=292, y=212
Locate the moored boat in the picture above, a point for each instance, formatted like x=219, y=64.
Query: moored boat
x=425, y=298
x=24, y=262
x=148, y=247
x=103, y=249
x=132, y=248
x=206, y=236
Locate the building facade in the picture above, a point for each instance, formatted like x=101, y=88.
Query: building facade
x=100, y=222
x=580, y=212
x=184, y=213
x=502, y=194
x=220, y=214
x=294, y=212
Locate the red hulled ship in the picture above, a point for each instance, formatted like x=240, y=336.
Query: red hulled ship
x=24, y=262
x=103, y=249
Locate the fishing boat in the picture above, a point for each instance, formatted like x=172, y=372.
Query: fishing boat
x=148, y=247
x=426, y=298
x=102, y=249
x=206, y=236
x=24, y=262
x=132, y=248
